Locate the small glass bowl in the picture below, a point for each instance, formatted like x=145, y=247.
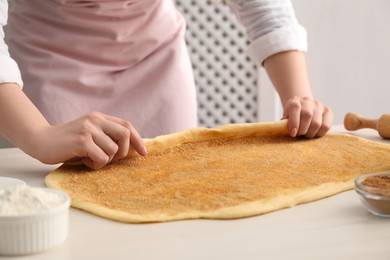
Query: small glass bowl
x=374, y=192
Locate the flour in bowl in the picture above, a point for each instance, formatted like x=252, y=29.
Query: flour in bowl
x=27, y=200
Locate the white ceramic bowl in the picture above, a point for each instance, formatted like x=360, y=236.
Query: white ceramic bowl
x=36, y=232
x=8, y=183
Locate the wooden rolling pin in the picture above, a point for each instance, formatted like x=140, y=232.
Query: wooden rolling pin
x=354, y=121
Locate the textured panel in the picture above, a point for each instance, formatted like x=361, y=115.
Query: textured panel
x=226, y=78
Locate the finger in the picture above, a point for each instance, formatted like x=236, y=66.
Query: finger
x=327, y=121
x=305, y=117
x=105, y=142
x=94, y=157
x=123, y=144
x=315, y=123
x=136, y=140
x=92, y=164
x=293, y=114
x=74, y=161
x=119, y=135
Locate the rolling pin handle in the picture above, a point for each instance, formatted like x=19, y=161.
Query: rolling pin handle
x=354, y=121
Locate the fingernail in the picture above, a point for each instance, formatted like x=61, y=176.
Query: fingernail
x=144, y=151
x=294, y=132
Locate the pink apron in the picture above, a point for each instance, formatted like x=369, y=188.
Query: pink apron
x=125, y=58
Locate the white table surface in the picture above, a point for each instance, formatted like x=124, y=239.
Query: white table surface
x=337, y=227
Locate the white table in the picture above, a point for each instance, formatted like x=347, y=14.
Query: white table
x=333, y=228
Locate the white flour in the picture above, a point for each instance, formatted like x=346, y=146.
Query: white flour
x=27, y=200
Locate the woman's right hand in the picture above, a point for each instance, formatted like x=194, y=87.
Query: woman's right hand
x=95, y=139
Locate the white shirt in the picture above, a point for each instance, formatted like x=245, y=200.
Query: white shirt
x=9, y=71
x=271, y=27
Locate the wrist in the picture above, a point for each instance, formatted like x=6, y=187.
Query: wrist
x=36, y=145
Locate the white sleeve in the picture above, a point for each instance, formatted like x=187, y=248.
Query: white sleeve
x=9, y=70
x=271, y=27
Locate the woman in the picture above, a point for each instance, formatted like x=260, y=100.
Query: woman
x=128, y=58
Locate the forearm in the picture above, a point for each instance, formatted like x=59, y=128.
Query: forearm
x=306, y=116
x=278, y=43
x=288, y=73
x=20, y=120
